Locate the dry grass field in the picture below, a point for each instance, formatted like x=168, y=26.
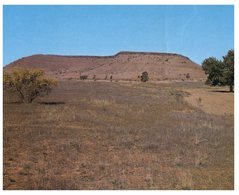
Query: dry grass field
x=120, y=135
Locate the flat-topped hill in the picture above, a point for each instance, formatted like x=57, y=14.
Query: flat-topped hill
x=123, y=66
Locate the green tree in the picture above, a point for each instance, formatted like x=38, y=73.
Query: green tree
x=228, y=61
x=144, y=76
x=28, y=84
x=214, y=69
x=220, y=72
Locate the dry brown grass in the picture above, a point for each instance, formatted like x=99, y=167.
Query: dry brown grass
x=213, y=100
x=99, y=135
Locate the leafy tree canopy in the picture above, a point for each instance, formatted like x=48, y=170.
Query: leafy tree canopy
x=220, y=72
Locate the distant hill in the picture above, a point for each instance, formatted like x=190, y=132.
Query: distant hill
x=122, y=66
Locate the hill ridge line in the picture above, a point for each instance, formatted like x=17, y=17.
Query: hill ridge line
x=109, y=56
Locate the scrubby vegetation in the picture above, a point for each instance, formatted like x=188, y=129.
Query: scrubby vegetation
x=187, y=76
x=83, y=77
x=144, y=76
x=28, y=84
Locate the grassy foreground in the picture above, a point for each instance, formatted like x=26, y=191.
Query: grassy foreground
x=112, y=135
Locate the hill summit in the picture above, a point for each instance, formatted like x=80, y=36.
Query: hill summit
x=122, y=66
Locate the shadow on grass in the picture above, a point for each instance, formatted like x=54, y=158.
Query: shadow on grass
x=12, y=102
x=221, y=91
x=51, y=103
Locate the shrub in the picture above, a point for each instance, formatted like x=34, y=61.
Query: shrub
x=144, y=76
x=83, y=77
x=188, y=76
x=28, y=84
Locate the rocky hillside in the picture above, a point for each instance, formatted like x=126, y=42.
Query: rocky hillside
x=122, y=66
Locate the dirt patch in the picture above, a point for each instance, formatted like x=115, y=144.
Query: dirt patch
x=212, y=100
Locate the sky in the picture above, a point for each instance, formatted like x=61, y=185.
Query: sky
x=197, y=32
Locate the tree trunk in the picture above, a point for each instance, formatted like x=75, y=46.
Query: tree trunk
x=21, y=97
x=231, y=88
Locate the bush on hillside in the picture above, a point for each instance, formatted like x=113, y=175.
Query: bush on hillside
x=144, y=76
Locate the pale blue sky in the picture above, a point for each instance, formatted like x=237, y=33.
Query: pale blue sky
x=197, y=32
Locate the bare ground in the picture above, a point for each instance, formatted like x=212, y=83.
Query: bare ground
x=103, y=135
x=213, y=100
